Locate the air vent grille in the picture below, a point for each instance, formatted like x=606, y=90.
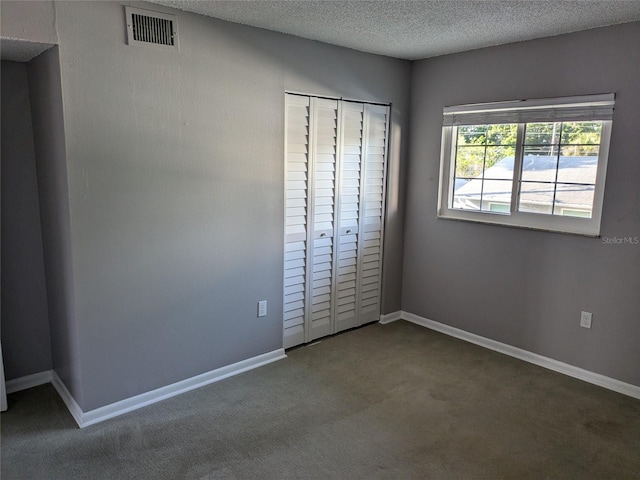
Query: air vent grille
x=145, y=27
x=152, y=30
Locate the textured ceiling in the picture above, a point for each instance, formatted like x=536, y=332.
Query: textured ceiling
x=418, y=29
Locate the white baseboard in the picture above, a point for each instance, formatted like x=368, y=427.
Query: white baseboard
x=28, y=381
x=546, y=362
x=390, y=317
x=67, y=398
x=84, y=419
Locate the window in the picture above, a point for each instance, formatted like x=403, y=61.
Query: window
x=537, y=164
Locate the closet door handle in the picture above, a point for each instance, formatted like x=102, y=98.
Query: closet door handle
x=323, y=234
x=349, y=231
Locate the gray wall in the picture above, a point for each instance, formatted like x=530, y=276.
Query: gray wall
x=49, y=141
x=527, y=288
x=175, y=168
x=25, y=324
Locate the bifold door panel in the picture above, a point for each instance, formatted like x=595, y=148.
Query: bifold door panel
x=335, y=163
x=296, y=217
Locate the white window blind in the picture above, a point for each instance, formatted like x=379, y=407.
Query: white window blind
x=575, y=109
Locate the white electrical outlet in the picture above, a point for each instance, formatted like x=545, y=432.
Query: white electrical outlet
x=262, y=308
x=585, y=319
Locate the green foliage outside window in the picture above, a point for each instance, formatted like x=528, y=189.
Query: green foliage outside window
x=482, y=146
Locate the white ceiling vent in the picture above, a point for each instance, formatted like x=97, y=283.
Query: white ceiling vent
x=145, y=27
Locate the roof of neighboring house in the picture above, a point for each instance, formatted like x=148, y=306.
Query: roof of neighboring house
x=536, y=168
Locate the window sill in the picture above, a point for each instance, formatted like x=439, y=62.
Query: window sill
x=545, y=223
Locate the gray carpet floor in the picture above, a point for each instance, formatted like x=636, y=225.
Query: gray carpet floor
x=393, y=401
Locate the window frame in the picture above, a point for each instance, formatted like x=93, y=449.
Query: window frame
x=568, y=109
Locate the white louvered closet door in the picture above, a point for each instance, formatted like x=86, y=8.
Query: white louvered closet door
x=335, y=162
x=296, y=214
x=376, y=126
x=324, y=145
x=348, y=205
